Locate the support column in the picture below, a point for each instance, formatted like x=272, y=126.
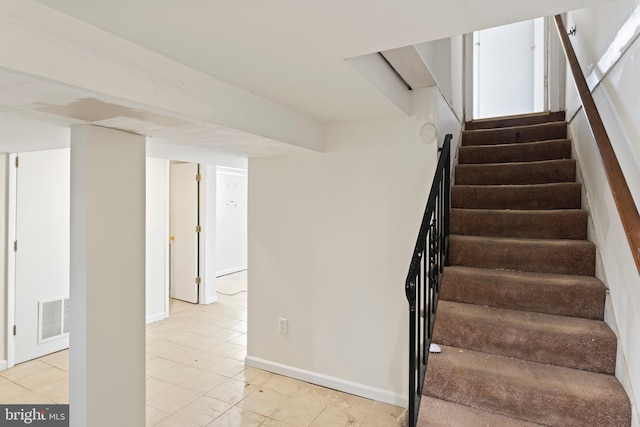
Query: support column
x=107, y=335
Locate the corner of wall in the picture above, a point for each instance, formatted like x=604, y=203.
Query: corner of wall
x=378, y=72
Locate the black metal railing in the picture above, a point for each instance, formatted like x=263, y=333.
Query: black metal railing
x=425, y=275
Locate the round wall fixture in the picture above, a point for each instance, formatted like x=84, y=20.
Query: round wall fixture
x=428, y=133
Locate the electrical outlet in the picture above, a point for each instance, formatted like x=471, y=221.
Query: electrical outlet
x=283, y=326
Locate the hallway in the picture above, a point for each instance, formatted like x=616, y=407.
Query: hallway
x=196, y=376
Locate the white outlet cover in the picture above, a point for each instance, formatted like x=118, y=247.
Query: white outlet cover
x=283, y=326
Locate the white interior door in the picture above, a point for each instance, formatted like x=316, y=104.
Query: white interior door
x=185, y=240
x=42, y=256
x=507, y=64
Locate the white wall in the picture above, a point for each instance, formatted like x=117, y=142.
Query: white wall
x=231, y=220
x=437, y=55
x=157, y=239
x=457, y=75
x=445, y=60
x=331, y=236
x=616, y=90
x=616, y=95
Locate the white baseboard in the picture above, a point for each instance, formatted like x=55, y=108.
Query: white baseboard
x=155, y=317
x=231, y=270
x=3, y=365
x=340, y=384
x=211, y=299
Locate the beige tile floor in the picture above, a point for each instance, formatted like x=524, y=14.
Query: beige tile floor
x=196, y=376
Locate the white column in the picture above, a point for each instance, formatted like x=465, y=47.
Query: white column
x=107, y=336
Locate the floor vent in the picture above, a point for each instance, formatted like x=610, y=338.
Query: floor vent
x=53, y=319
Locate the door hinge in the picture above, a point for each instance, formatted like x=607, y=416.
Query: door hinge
x=17, y=161
x=15, y=246
x=198, y=177
x=14, y=330
x=198, y=280
x=198, y=228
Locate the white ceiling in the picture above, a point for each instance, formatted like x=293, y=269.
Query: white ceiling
x=37, y=115
x=291, y=53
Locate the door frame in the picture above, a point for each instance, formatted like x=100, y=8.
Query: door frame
x=11, y=258
x=554, y=69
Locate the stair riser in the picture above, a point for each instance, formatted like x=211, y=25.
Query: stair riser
x=550, y=196
x=559, y=257
x=516, y=121
x=565, y=224
x=538, y=151
x=579, y=344
x=515, y=134
x=512, y=291
x=516, y=173
x=511, y=398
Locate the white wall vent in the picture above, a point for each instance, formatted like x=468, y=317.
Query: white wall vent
x=53, y=319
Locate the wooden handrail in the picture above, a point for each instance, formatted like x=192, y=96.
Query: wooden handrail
x=627, y=208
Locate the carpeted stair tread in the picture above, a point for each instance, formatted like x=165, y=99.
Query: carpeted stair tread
x=537, y=172
x=537, y=255
x=509, y=135
x=520, y=317
x=519, y=120
x=520, y=152
x=558, y=340
x=442, y=413
x=562, y=195
x=535, y=224
x=559, y=294
x=545, y=394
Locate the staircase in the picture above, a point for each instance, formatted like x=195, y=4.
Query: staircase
x=520, y=318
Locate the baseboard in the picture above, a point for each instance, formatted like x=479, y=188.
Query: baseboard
x=156, y=317
x=339, y=384
x=3, y=365
x=211, y=299
x=231, y=270
x=622, y=369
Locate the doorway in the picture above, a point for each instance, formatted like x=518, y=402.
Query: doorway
x=509, y=70
x=208, y=228
x=231, y=220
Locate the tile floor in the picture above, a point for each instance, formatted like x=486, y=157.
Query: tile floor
x=196, y=376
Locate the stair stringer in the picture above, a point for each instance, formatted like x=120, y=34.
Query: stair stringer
x=622, y=372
